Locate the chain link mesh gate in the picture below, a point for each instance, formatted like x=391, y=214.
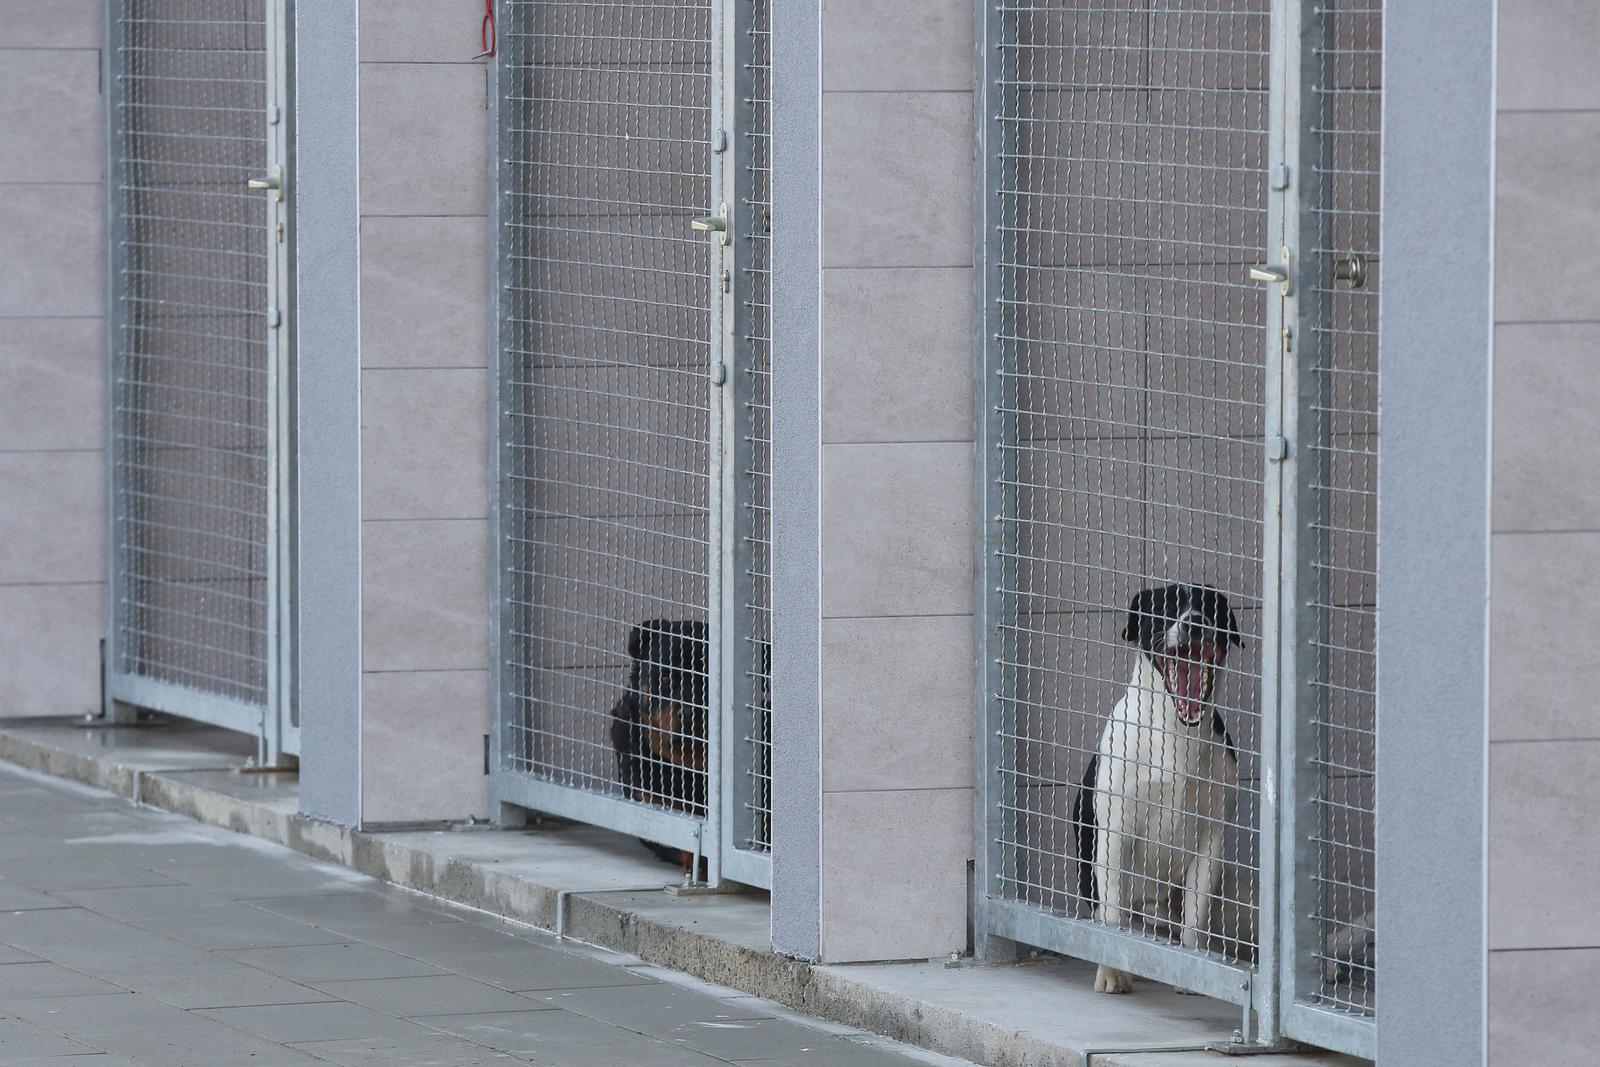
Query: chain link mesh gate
x=1143, y=393
x=197, y=353
x=629, y=478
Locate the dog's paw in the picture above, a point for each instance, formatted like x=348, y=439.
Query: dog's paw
x=1111, y=980
x=1182, y=992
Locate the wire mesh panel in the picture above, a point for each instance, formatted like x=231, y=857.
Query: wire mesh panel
x=1127, y=389
x=1339, y=711
x=606, y=507
x=751, y=818
x=194, y=358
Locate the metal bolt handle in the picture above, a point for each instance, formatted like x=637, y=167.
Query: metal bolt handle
x=273, y=182
x=1273, y=273
x=717, y=224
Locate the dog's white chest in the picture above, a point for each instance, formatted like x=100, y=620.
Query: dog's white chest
x=1160, y=784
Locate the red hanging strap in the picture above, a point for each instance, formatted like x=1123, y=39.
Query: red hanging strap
x=488, y=33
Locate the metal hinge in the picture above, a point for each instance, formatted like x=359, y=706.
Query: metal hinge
x=719, y=141
x=274, y=318
x=1277, y=448
x=719, y=373
x=1280, y=177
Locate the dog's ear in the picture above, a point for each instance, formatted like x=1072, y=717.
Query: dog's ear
x=1143, y=607
x=636, y=643
x=1233, y=630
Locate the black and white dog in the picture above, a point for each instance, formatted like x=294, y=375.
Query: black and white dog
x=1160, y=791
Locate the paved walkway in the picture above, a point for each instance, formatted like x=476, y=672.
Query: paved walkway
x=130, y=936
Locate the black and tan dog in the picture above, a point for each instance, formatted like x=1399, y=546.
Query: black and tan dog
x=659, y=726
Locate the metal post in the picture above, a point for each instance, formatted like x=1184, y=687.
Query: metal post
x=114, y=63
x=989, y=800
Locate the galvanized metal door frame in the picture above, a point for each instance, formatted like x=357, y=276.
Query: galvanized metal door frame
x=269, y=723
x=514, y=793
x=1304, y=392
x=1289, y=956
x=740, y=658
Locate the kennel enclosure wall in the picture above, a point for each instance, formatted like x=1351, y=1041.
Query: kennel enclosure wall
x=1159, y=407
x=197, y=345
x=632, y=370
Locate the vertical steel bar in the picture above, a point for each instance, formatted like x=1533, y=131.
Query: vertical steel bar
x=1302, y=666
x=504, y=647
x=740, y=642
x=277, y=330
x=286, y=589
x=990, y=805
x=1278, y=540
x=116, y=324
x=719, y=589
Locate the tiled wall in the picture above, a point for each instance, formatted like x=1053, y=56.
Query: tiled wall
x=897, y=578
x=52, y=381
x=1544, y=933
x=424, y=413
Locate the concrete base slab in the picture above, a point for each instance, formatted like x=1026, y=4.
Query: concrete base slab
x=588, y=884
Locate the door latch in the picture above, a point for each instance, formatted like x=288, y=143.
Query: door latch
x=1281, y=274
x=717, y=224
x=273, y=181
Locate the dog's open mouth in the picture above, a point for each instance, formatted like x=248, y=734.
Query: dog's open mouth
x=1188, y=674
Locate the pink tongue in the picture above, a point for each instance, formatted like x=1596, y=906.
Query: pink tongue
x=1187, y=681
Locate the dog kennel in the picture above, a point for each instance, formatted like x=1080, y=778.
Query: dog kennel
x=632, y=383
x=198, y=260
x=1179, y=282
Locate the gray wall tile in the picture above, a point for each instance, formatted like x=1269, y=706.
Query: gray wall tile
x=425, y=595
x=1544, y=844
x=1539, y=680
x=897, y=703
x=1546, y=51
x=897, y=530
x=52, y=383
x=422, y=745
x=897, y=354
x=1541, y=1010
x=424, y=139
x=1547, y=217
x=897, y=179
x=894, y=873
x=1546, y=409
x=57, y=230
x=888, y=45
x=58, y=24
x=50, y=115
x=54, y=526
x=424, y=292
x=424, y=444
x=418, y=31
x=51, y=637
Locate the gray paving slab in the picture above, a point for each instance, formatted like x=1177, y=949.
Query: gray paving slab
x=744, y=1039
x=445, y=994
x=19, y=1038
x=649, y=1009
x=341, y=962
x=353, y=912
x=15, y=897
x=147, y=1031
x=295, y=1023
x=259, y=876
x=78, y=870
x=235, y=987
x=45, y=979
x=834, y=1052
x=512, y=963
x=437, y=1051
x=200, y=917
x=374, y=976
x=562, y=1039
